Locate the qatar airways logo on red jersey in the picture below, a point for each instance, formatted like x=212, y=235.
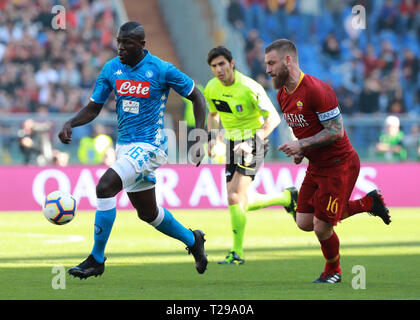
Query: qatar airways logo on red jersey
x=133, y=88
x=295, y=120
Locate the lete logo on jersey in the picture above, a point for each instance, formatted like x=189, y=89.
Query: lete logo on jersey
x=133, y=88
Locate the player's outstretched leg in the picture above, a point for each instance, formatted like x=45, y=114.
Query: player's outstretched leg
x=291, y=208
x=378, y=206
x=94, y=265
x=287, y=198
x=89, y=267
x=373, y=203
x=198, y=252
x=194, y=240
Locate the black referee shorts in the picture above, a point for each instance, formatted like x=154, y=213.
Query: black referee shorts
x=246, y=164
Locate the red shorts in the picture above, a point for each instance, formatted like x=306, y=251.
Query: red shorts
x=327, y=196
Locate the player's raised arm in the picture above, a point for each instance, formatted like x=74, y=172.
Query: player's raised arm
x=84, y=116
x=99, y=96
x=333, y=130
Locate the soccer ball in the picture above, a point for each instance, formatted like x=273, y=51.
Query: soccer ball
x=59, y=207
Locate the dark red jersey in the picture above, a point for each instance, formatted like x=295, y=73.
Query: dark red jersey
x=312, y=102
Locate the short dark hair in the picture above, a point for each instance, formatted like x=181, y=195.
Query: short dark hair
x=219, y=51
x=134, y=28
x=283, y=45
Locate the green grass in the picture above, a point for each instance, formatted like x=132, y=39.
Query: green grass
x=281, y=261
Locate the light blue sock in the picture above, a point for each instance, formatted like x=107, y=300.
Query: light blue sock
x=167, y=224
x=104, y=220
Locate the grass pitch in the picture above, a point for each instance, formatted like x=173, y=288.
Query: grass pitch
x=281, y=260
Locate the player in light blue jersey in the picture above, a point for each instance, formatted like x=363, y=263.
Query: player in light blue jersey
x=141, y=83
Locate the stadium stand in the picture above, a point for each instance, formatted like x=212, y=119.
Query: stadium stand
x=374, y=70
x=48, y=71
x=43, y=69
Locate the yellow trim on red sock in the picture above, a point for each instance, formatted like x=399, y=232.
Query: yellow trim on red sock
x=333, y=259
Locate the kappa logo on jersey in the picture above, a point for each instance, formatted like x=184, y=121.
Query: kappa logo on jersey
x=133, y=88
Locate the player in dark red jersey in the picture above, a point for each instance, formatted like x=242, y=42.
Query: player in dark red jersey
x=311, y=109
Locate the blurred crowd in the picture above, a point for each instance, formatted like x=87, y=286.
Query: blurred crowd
x=44, y=69
x=47, y=68
x=37, y=147
x=373, y=68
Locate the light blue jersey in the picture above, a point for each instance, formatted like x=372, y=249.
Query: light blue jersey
x=141, y=93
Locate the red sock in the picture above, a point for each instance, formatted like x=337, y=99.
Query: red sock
x=357, y=206
x=330, y=249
